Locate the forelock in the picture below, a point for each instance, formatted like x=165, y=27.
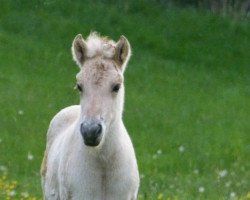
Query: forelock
x=97, y=70
x=99, y=46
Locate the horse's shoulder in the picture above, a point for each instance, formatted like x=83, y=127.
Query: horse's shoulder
x=62, y=120
x=58, y=124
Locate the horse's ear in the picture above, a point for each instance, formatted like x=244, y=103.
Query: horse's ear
x=79, y=49
x=122, y=52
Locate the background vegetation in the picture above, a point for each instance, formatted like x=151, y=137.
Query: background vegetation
x=187, y=92
x=225, y=7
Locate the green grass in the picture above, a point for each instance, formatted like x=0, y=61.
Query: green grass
x=187, y=104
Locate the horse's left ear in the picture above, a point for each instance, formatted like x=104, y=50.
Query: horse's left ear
x=122, y=52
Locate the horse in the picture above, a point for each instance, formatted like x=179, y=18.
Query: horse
x=89, y=154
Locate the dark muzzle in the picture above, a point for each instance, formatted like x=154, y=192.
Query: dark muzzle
x=91, y=132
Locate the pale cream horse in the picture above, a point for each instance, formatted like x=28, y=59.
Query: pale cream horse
x=89, y=154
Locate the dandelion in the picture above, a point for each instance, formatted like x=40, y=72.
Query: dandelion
x=232, y=195
x=196, y=171
x=3, y=168
x=248, y=195
x=222, y=173
x=201, y=189
x=25, y=194
x=30, y=156
x=12, y=193
x=8, y=190
x=142, y=176
x=20, y=112
x=159, y=152
x=181, y=149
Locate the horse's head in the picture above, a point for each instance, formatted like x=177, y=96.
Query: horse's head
x=100, y=82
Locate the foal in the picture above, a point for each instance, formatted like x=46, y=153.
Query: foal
x=89, y=154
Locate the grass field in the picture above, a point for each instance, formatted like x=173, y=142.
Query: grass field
x=187, y=104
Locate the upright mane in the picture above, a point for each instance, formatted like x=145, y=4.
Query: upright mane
x=99, y=46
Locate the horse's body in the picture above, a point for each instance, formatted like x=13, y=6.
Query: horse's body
x=89, y=155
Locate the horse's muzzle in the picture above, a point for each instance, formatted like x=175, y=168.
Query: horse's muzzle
x=91, y=132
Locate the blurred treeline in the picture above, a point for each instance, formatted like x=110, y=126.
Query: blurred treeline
x=216, y=6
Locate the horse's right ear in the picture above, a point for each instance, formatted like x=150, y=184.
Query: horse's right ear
x=122, y=52
x=79, y=50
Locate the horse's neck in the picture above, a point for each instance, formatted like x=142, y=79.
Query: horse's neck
x=113, y=136
x=107, y=151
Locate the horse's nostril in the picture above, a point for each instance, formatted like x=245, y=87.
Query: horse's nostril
x=91, y=133
x=98, y=129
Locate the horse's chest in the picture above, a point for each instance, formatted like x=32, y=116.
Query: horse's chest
x=90, y=180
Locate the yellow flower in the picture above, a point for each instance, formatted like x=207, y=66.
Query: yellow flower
x=8, y=191
x=160, y=196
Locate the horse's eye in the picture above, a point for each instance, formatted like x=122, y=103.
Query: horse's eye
x=116, y=88
x=79, y=87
